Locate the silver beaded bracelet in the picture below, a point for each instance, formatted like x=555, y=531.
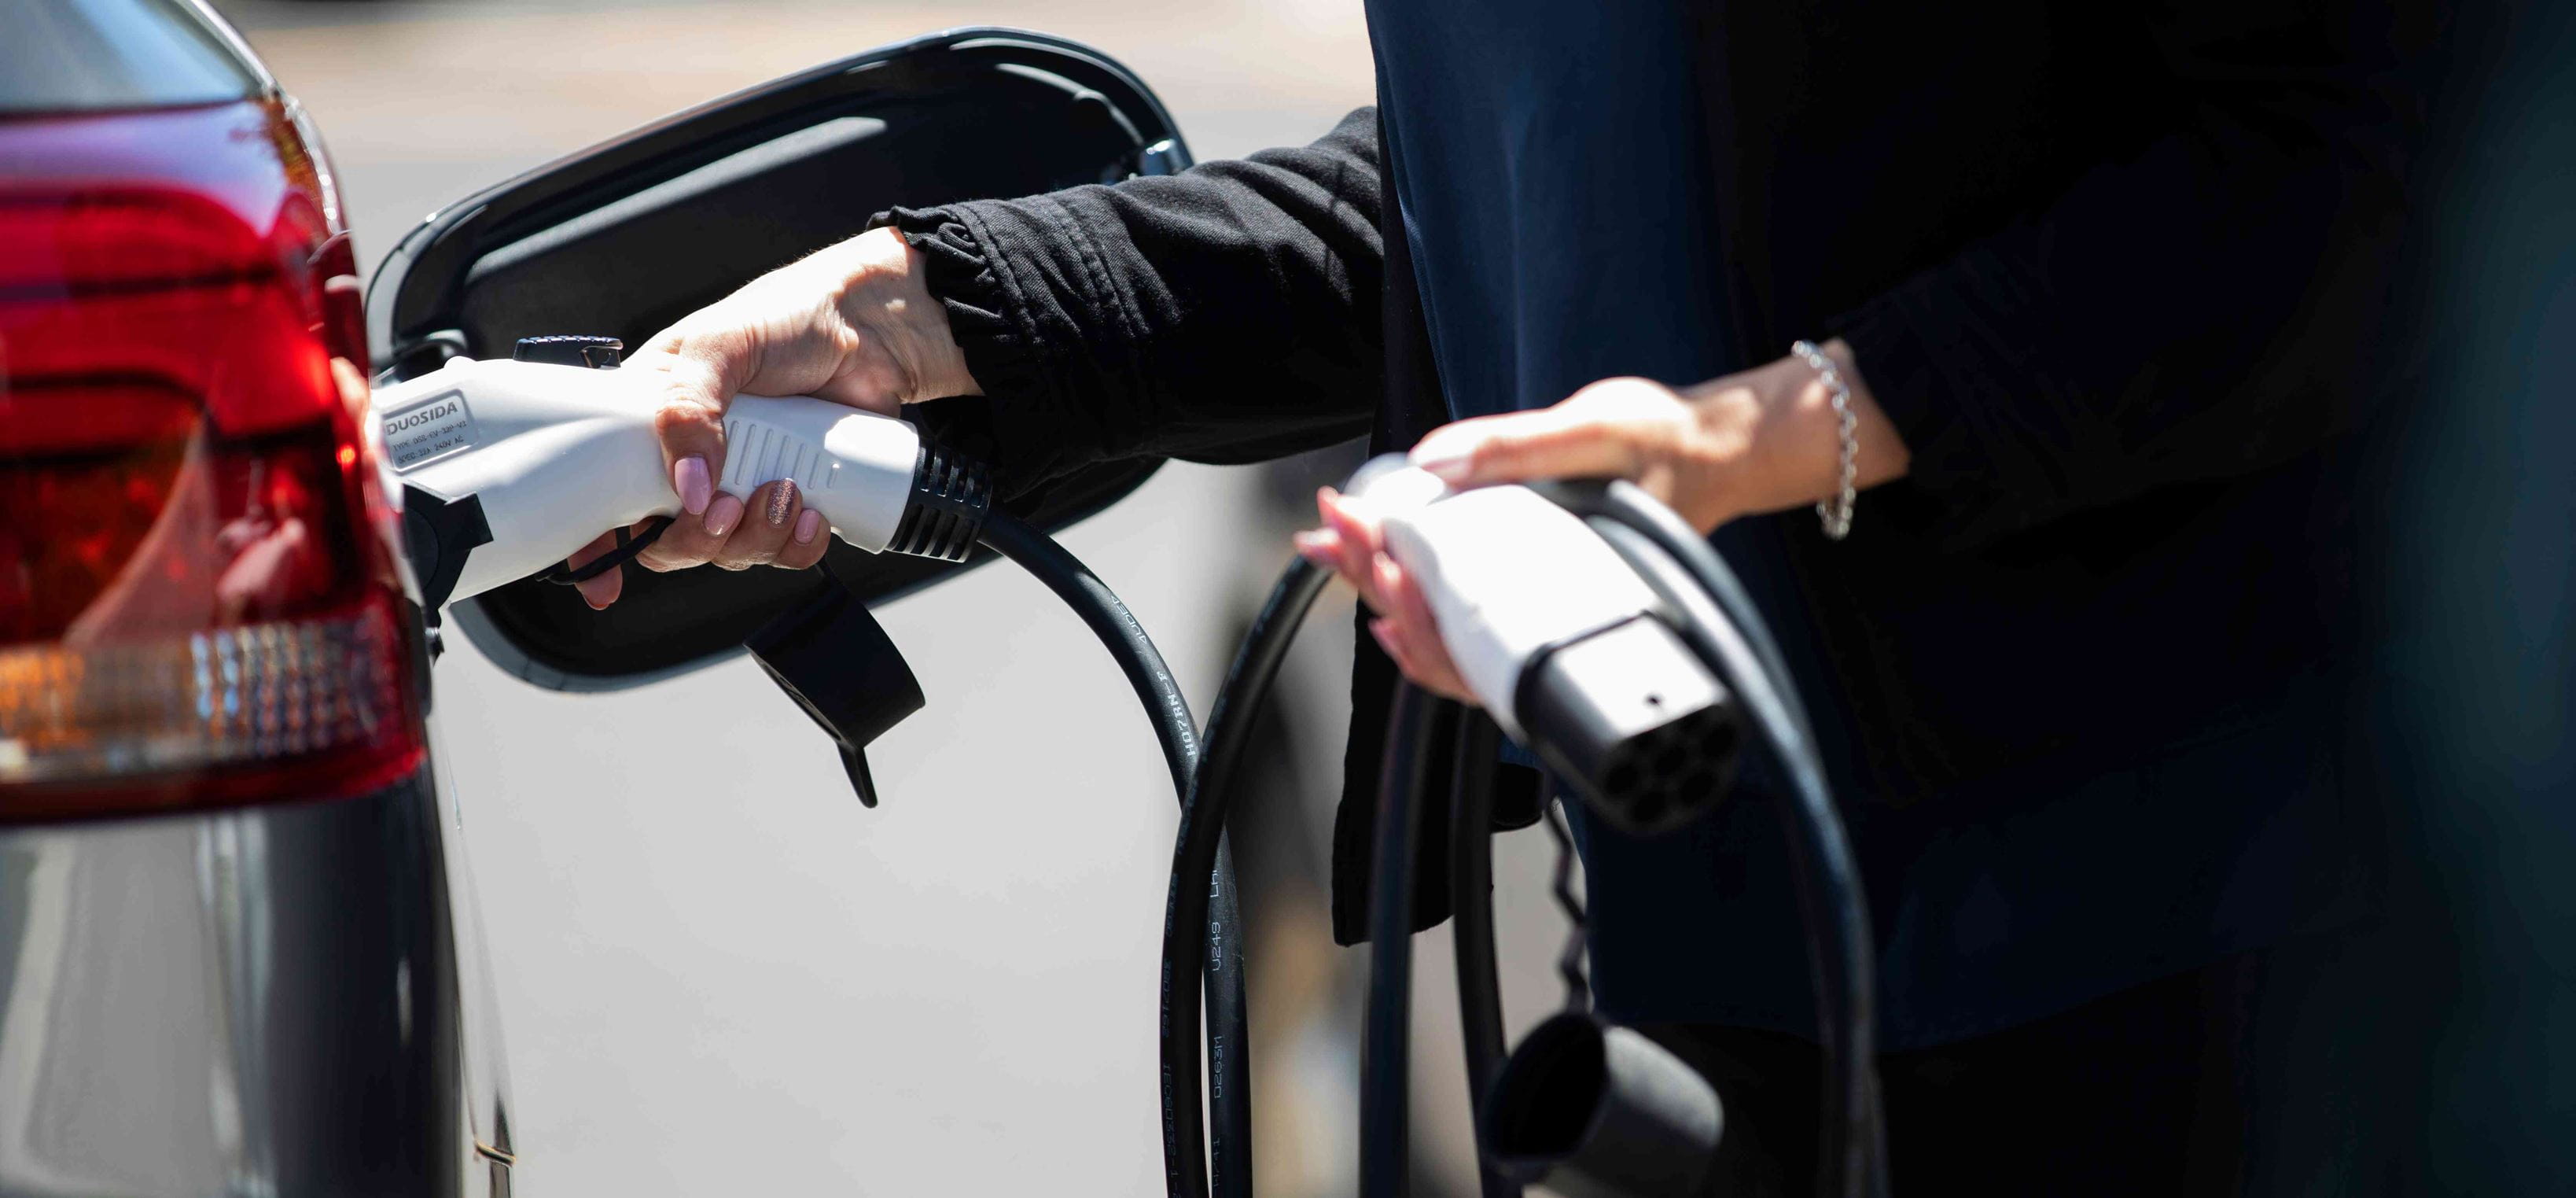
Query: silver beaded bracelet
x=1836, y=514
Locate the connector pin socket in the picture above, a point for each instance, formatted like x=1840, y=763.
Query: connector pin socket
x=1629, y=717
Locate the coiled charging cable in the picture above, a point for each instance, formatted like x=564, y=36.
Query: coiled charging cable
x=1721, y=626
x=1200, y=842
x=1220, y=949
x=1471, y=871
x=1690, y=577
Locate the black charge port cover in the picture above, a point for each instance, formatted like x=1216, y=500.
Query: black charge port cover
x=831, y=656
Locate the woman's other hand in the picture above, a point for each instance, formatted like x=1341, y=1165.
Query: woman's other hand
x=1763, y=440
x=853, y=323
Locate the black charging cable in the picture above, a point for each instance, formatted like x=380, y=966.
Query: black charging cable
x=1220, y=950
x=1386, y=1031
x=1720, y=624
x=1196, y=850
x=1247, y=684
x=1688, y=576
x=1471, y=873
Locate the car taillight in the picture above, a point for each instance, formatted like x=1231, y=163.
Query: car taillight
x=196, y=606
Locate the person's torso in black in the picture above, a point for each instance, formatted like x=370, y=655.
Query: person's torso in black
x=2079, y=755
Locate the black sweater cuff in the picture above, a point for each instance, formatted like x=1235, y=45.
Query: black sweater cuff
x=1008, y=428
x=1950, y=493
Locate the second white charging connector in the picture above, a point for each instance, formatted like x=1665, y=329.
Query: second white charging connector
x=1561, y=642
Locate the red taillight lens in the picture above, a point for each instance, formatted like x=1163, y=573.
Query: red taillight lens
x=194, y=608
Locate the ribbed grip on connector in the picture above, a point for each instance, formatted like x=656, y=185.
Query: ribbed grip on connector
x=950, y=497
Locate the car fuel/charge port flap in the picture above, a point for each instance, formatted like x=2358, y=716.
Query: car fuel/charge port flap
x=630, y=235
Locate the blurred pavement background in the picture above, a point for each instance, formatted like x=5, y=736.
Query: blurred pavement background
x=717, y=972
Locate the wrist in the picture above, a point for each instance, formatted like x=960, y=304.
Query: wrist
x=883, y=293
x=1811, y=430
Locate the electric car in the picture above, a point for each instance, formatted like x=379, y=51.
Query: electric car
x=238, y=947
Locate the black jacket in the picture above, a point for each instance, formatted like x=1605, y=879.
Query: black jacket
x=2125, y=284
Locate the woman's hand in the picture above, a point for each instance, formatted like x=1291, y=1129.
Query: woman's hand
x=853, y=323
x=1760, y=441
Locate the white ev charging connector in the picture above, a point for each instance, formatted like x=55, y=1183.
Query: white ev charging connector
x=1562, y=643
x=505, y=467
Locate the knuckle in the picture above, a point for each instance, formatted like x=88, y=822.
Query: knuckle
x=683, y=413
x=1630, y=396
x=1600, y=392
x=667, y=556
x=680, y=548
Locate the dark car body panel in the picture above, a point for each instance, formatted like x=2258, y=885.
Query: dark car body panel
x=253, y=1001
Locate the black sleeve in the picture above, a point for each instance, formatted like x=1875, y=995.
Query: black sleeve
x=2215, y=305
x=1225, y=314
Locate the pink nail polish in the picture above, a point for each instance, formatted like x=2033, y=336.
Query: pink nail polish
x=722, y=514
x=808, y=525
x=690, y=481
x=782, y=499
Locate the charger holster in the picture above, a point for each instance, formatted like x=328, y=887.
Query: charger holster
x=832, y=657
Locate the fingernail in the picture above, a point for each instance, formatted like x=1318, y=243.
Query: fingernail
x=722, y=514
x=1389, y=576
x=809, y=524
x=689, y=479
x=782, y=499
x=591, y=591
x=1315, y=546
